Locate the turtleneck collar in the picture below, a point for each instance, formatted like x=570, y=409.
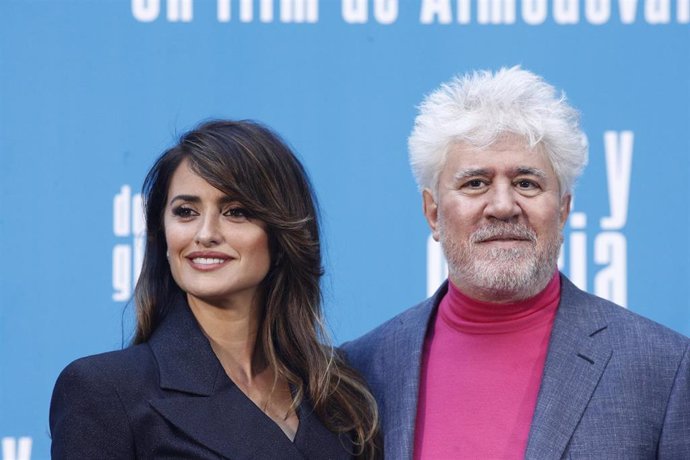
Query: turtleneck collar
x=472, y=316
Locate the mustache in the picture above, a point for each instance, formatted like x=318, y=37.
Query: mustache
x=503, y=231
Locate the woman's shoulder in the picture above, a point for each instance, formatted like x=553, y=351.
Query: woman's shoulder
x=130, y=365
x=92, y=402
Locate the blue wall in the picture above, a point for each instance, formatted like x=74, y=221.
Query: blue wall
x=92, y=91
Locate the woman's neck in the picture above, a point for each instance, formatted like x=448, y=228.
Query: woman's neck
x=233, y=333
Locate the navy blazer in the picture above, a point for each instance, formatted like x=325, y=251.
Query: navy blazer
x=171, y=398
x=615, y=385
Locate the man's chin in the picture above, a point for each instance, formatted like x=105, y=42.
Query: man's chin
x=504, y=278
x=502, y=255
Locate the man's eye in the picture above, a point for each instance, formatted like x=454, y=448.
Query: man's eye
x=524, y=183
x=474, y=186
x=183, y=211
x=474, y=183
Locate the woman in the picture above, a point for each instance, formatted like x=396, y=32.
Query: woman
x=227, y=360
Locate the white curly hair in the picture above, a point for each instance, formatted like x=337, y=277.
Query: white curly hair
x=477, y=108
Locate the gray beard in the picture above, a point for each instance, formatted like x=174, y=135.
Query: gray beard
x=502, y=274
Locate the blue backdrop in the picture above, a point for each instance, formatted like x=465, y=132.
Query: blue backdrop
x=92, y=91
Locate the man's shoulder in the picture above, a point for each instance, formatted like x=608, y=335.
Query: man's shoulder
x=408, y=321
x=632, y=328
x=626, y=327
x=392, y=351
x=396, y=342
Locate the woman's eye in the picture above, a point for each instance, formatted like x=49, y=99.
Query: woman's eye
x=237, y=213
x=183, y=211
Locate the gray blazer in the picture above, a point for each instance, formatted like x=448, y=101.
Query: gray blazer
x=615, y=385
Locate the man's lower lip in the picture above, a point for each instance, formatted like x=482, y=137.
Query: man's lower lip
x=507, y=240
x=504, y=242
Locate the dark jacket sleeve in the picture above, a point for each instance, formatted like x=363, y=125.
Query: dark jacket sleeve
x=87, y=418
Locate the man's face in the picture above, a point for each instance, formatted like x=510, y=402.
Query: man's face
x=499, y=215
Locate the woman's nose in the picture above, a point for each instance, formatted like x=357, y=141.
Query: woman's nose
x=209, y=231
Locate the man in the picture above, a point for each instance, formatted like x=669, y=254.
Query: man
x=509, y=359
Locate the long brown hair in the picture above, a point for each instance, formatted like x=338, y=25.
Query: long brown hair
x=250, y=163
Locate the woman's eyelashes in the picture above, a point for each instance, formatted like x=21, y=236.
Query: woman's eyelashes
x=234, y=212
x=237, y=212
x=184, y=212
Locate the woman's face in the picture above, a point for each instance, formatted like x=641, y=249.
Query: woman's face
x=217, y=253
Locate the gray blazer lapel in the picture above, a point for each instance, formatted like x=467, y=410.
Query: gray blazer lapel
x=578, y=354
x=402, y=393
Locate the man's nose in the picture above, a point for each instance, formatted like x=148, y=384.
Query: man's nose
x=502, y=203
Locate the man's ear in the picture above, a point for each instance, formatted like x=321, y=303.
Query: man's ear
x=565, y=208
x=430, y=208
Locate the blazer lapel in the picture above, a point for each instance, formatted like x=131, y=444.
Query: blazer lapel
x=577, y=356
x=225, y=423
x=202, y=401
x=402, y=393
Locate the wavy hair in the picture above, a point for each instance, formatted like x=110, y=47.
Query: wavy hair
x=477, y=108
x=250, y=163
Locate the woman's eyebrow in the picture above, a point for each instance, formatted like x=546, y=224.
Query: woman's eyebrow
x=188, y=198
x=227, y=199
x=195, y=199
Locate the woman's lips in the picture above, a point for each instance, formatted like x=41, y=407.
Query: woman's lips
x=204, y=261
x=207, y=260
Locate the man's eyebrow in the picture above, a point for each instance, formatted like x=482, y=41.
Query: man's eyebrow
x=470, y=172
x=464, y=174
x=527, y=170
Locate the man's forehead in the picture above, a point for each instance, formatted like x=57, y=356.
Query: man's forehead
x=505, y=142
x=510, y=155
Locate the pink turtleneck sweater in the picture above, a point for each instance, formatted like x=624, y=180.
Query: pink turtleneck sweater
x=481, y=370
